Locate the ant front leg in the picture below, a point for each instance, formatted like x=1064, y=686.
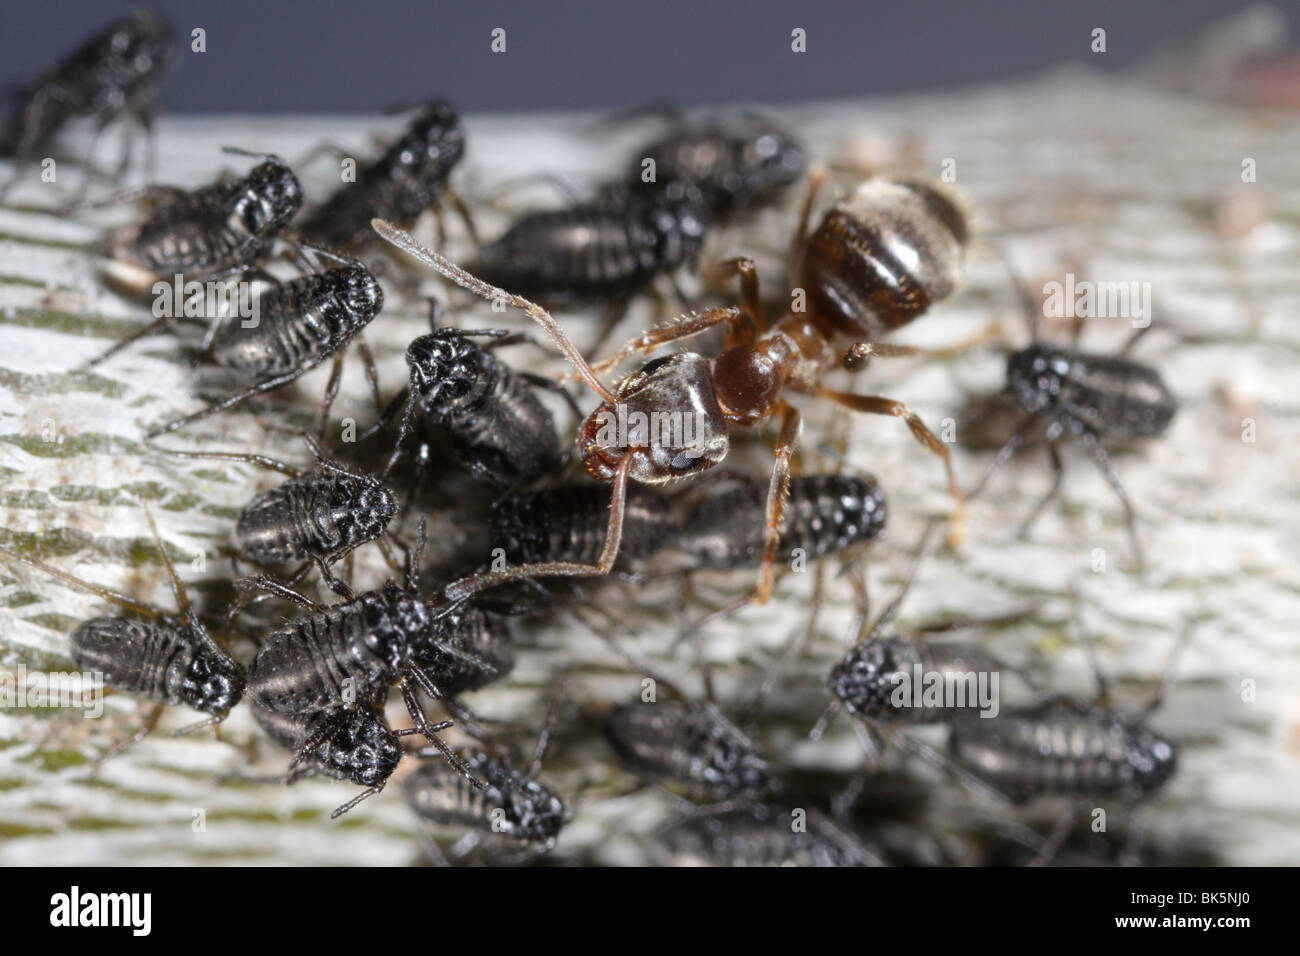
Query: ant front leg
x=742, y=328
x=777, y=491
x=879, y=405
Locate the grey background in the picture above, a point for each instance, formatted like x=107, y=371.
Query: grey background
x=353, y=56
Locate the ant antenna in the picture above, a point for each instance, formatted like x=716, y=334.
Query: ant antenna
x=404, y=241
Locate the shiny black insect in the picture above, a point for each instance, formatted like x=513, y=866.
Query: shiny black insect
x=214, y=230
x=355, y=651
x=1072, y=394
x=737, y=165
x=298, y=325
x=759, y=834
x=881, y=681
x=165, y=658
x=1064, y=747
x=569, y=522
x=499, y=429
x=113, y=74
x=354, y=744
x=609, y=247
x=512, y=803
x=474, y=649
x=317, y=516
x=824, y=514
x=409, y=177
x=692, y=745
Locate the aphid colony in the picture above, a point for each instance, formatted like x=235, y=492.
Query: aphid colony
x=577, y=501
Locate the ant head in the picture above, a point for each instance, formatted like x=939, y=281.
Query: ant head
x=272, y=195
x=884, y=255
x=364, y=749
x=448, y=369
x=213, y=682
x=667, y=417
x=1035, y=376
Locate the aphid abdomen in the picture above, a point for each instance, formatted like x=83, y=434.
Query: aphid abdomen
x=319, y=514
x=1117, y=397
x=448, y=799
x=693, y=746
x=568, y=523
x=758, y=835
x=508, y=430
x=587, y=250
x=141, y=657
x=1064, y=749
x=320, y=661
x=473, y=633
x=824, y=514
x=182, y=238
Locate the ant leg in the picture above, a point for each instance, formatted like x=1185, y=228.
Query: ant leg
x=266, y=386
x=879, y=405
x=1112, y=477
x=778, y=491
x=858, y=354
x=460, y=591
x=684, y=328
x=751, y=306
x=1058, y=472
x=484, y=290
x=331, y=393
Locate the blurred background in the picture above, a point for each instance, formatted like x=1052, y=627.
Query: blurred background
x=341, y=56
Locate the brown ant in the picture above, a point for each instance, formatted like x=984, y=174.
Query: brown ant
x=877, y=261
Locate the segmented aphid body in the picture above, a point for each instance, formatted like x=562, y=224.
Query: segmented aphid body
x=1064, y=747
x=404, y=181
x=510, y=803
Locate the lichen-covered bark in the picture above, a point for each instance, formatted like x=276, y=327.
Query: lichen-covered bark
x=1111, y=180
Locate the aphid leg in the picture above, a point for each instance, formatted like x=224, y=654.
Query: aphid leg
x=431, y=735
x=541, y=381
x=1112, y=476
x=331, y=580
x=152, y=716
x=1134, y=339
x=802, y=638
x=799, y=242
x=1058, y=473
x=548, y=727
x=432, y=850
x=462, y=211
x=250, y=599
x=331, y=393
x=879, y=405
x=778, y=490
x=1003, y=456
x=108, y=594
x=261, y=387
x=155, y=326
x=1167, y=675
x=261, y=582
x=262, y=461
x=1057, y=837
x=372, y=374
x=368, y=792
x=751, y=306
